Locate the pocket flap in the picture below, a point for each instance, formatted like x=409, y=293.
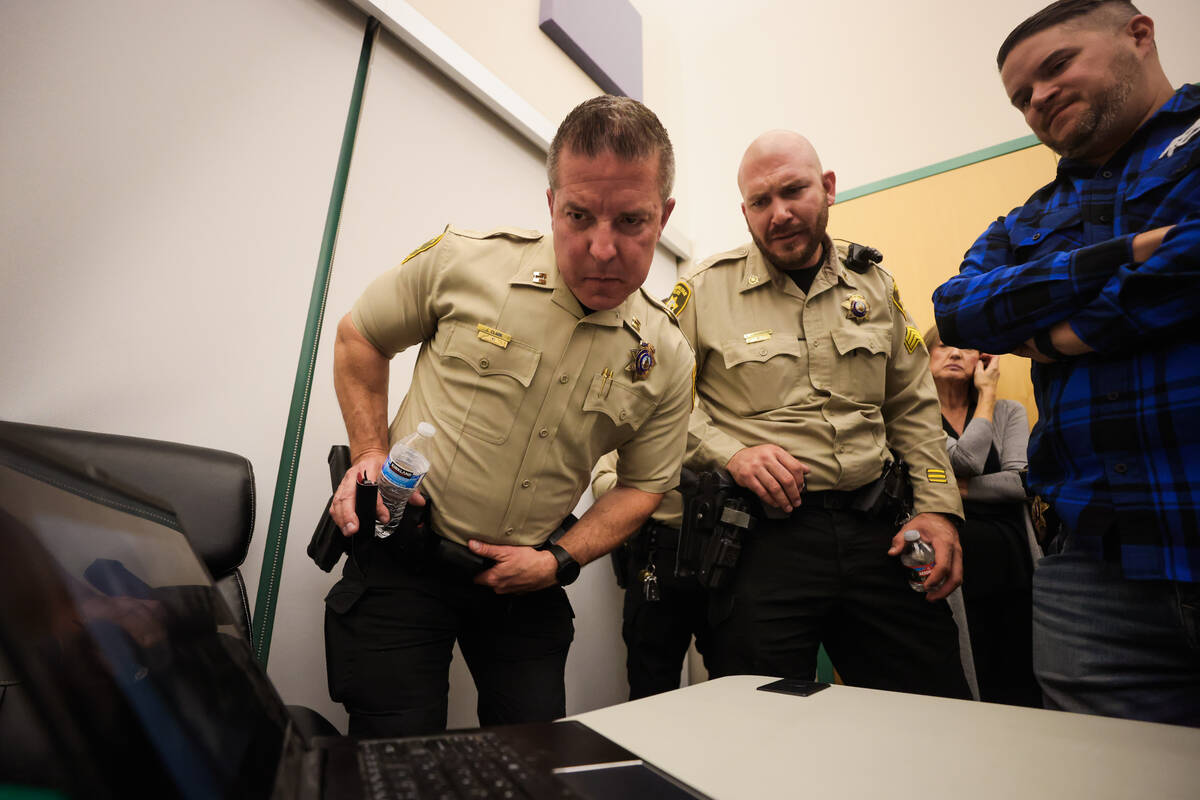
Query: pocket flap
x=622, y=404
x=738, y=351
x=848, y=339
x=1024, y=235
x=344, y=594
x=516, y=359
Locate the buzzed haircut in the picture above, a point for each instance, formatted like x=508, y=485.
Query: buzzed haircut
x=618, y=125
x=1118, y=12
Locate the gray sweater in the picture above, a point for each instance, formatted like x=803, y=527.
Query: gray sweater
x=1009, y=431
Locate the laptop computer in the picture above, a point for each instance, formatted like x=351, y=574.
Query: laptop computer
x=141, y=677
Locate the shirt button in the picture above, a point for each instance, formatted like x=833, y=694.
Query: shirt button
x=525, y=484
x=762, y=351
x=1120, y=469
x=1106, y=174
x=508, y=531
x=1104, y=218
x=623, y=414
x=1113, y=395
x=1037, y=236
x=563, y=379
x=543, y=433
x=484, y=363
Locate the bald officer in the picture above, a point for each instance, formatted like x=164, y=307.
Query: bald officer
x=536, y=357
x=808, y=369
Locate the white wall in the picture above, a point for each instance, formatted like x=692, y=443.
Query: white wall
x=164, y=175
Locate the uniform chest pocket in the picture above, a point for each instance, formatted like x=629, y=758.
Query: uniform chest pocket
x=766, y=375
x=613, y=406
x=483, y=385
x=1060, y=226
x=861, y=369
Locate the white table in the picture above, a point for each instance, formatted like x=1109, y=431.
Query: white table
x=731, y=741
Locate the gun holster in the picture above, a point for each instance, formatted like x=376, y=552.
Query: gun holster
x=328, y=545
x=716, y=517
x=889, y=497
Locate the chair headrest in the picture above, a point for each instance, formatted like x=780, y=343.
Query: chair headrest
x=211, y=491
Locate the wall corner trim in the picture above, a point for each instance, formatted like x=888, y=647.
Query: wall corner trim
x=1002, y=149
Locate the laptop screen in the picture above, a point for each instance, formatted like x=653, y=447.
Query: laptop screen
x=128, y=651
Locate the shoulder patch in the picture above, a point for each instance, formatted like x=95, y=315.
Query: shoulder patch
x=427, y=246
x=896, y=299
x=678, y=299
x=661, y=305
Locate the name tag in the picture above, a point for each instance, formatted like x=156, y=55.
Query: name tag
x=757, y=336
x=493, y=336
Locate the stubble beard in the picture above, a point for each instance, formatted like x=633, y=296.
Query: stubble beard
x=800, y=260
x=1102, y=117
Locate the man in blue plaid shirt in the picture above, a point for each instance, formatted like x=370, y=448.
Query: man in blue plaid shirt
x=1096, y=279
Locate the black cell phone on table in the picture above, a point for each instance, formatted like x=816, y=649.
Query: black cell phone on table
x=794, y=686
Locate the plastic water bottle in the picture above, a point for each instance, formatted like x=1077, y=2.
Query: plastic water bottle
x=918, y=557
x=406, y=465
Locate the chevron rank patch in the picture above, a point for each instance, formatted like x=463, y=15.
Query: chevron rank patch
x=423, y=247
x=912, y=338
x=678, y=298
x=936, y=475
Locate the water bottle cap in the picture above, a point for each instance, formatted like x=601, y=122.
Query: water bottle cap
x=426, y=430
x=912, y=536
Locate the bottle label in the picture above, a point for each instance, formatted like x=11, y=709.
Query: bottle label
x=402, y=476
x=919, y=574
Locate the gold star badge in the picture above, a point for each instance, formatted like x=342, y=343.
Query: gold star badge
x=641, y=361
x=857, y=308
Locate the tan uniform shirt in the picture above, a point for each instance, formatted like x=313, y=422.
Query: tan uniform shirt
x=604, y=478
x=775, y=366
x=516, y=378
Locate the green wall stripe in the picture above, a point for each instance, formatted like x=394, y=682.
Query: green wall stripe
x=1002, y=149
x=289, y=460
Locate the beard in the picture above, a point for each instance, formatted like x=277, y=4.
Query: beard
x=1102, y=117
x=796, y=259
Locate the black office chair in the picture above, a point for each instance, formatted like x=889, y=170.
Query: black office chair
x=212, y=494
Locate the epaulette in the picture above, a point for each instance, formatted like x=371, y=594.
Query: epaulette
x=522, y=234
x=736, y=254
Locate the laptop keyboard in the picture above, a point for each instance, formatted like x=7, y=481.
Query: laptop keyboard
x=454, y=766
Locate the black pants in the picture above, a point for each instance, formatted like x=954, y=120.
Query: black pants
x=824, y=576
x=390, y=627
x=657, y=634
x=998, y=599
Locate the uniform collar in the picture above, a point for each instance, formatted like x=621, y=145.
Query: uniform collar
x=758, y=271
x=539, y=270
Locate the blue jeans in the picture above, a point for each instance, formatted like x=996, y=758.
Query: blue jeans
x=1120, y=648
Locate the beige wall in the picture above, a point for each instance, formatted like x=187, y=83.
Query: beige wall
x=923, y=236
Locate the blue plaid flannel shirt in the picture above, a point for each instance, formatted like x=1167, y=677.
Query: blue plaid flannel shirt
x=1116, y=450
